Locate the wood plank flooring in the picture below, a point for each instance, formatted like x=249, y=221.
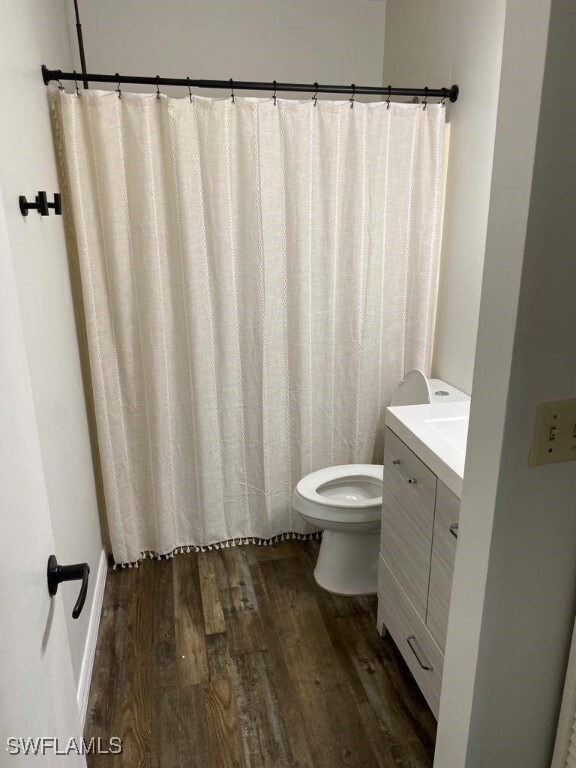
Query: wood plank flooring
x=235, y=658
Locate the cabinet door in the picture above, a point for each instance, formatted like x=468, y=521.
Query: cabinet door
x=443, y=554
x=408, y=495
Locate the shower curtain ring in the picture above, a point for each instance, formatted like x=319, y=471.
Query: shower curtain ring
x=158, y=87
x=388, y=99
x=189, y=89
x=352, y=97
x=118, y=89
x=60, y=86
x=425, y=102
x=315, y=97
x=232, y=91
x=443, y=100
x=76, y=84
x=274, y=94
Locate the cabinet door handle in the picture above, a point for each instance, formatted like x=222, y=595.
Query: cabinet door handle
x=411, y=640
x=397, y=463
x=454, y=530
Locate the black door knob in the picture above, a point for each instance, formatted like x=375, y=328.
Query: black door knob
x=58, y=573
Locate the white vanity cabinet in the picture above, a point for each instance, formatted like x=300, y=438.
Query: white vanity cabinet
x=442, y=562
x=408, y=498
x=417, y=550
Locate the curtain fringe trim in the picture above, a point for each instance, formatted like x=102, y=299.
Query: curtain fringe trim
x=239, y=542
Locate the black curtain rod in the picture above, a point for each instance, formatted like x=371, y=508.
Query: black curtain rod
x=49, y=75
x=80, y=44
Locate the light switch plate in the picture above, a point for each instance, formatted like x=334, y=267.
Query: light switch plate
x=554, y=432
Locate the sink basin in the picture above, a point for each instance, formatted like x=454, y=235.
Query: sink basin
x=454, y=429
x=437, y=433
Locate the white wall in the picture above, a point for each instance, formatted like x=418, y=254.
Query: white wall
x=33, y=32
x=514, y=592
x=330, y=41
x=437, y=44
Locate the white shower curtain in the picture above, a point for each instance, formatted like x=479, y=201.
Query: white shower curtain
x=257, y=279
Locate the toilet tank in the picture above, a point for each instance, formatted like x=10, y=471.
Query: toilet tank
x=417, y=389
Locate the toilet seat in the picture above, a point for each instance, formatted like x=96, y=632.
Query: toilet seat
x=339, y=511
x=308, y=488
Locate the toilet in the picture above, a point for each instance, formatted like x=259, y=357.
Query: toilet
x=346, y=503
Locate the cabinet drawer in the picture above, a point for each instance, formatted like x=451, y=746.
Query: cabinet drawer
x=442, y=566
x=408, y=496
x=414, y=641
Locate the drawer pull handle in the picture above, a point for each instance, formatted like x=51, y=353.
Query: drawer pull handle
x=411, y=640
x=454, y=530
x=411, y=480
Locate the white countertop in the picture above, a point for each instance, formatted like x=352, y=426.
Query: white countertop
x=437, y=434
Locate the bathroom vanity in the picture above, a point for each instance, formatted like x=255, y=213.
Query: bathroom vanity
x=424, y=457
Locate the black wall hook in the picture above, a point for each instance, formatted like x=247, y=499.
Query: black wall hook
x=59, y=573
x=41, y=205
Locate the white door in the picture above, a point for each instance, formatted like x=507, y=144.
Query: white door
x=37, y=696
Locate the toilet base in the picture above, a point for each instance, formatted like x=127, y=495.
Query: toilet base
x=348, y=563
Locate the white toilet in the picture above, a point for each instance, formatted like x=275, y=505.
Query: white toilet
x=346, y=502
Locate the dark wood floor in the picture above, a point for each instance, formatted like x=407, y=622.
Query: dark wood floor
x=236, y=657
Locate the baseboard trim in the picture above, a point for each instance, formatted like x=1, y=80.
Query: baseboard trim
x=91, y=639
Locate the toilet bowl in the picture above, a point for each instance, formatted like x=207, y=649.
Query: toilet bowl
x=346, y=503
